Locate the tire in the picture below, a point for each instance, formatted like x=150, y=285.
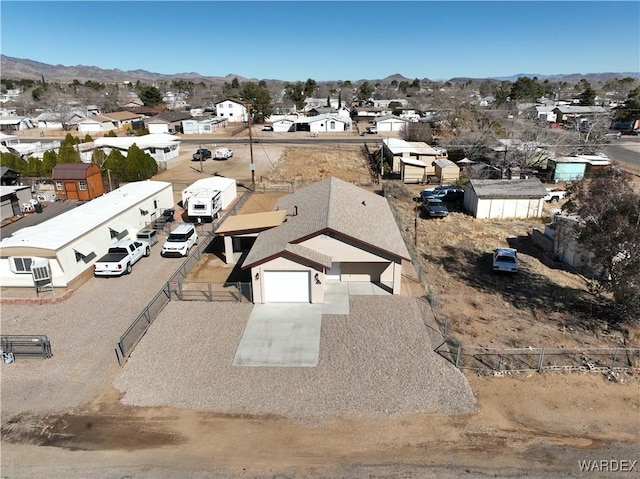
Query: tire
x=128, y=270
x=147, y=252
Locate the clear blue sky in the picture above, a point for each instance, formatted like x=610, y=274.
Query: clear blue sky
x=330, y=40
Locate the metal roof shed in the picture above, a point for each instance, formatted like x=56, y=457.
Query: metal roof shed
x=498, y=199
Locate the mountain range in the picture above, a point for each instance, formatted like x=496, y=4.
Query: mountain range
x=20, y=68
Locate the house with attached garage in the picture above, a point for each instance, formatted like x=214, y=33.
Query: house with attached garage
x=498, y=199
x=325, y=123
x=167, y=122
x=96, y=124
x=71, y=242
x=390, y=123
x=328, y=231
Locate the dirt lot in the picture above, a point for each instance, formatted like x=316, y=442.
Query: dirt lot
x=533, y=425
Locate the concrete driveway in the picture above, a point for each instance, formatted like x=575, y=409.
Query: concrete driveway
x=288, y=334
x=281, y=334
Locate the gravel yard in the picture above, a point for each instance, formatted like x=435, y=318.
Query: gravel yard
x=377, y=360
x=83, y=331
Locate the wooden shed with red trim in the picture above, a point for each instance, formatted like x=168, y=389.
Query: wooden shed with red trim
x=77, y=181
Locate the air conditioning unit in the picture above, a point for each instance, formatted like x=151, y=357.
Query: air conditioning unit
x=40, y=270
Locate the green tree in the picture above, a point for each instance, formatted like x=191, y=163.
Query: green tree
x=115, y=163
x=110, y=134
x=526, y=88
x=14, y=162
x=98, y=157
x=68, y=154
x=150, y=96
x=260, y=100
x=610, y=209
x=34, y=168
x=630, y=111
x=310, y=86
x=235, y=83
x=49, y=160
x=138, y=165
x=295, y=93
x=87, y=138
x=588, y=96
x=365, y=91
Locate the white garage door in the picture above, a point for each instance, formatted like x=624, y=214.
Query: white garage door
x=286, y=287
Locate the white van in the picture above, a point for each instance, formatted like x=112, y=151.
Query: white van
x=180, y=241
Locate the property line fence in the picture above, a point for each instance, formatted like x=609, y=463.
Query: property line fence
x=540, y=359
x=205, y=291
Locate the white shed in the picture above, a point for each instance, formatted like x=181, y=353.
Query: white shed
x=73, y=241
x=505, y=198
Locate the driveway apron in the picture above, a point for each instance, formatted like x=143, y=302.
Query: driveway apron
x=281, y=334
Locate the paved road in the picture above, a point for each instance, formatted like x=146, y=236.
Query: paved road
x=627, y=151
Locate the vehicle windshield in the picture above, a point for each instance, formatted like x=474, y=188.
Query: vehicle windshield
x=177, y=238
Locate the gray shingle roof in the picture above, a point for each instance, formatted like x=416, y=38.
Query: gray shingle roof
x=332, y=206
x=526, y=188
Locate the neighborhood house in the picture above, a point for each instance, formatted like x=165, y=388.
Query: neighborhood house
x=330, y=231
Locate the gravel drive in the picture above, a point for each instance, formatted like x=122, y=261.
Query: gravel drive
x=377, y=360
x=83, y=331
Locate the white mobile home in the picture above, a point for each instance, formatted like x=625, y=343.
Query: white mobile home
x=72, y=241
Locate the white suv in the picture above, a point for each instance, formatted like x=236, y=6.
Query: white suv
x=180, y=241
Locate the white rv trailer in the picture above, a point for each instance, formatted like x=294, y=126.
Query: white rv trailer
x=206, y=197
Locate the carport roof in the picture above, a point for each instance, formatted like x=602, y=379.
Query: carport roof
x=332, y=205
x=251, y=223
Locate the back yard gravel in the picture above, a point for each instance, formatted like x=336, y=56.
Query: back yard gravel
x=378, y=360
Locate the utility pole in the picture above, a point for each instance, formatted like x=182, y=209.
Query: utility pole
x=252, y=167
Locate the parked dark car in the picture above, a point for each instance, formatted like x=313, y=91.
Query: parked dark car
x=444, y=193
x=435, y=208
x=201, y=154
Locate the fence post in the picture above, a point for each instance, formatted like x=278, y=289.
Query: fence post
x=210, y=289
x=615, y=355
x=540, y=360
x=458, y=355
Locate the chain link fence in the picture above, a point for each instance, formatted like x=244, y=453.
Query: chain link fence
x=484, y=359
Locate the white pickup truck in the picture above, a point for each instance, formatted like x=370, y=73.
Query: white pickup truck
x=223, y=154
x=554, y=194
x=120, y=258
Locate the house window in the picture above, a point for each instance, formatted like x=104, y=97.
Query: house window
x=155, y=204
x=20, y=265
x=59, y=185
x=82, y=185
x=332, y=125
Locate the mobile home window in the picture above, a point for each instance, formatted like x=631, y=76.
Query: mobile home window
x=20, y=265
x=82, y=185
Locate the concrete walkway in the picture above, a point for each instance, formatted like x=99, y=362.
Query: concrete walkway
x=288, y=334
